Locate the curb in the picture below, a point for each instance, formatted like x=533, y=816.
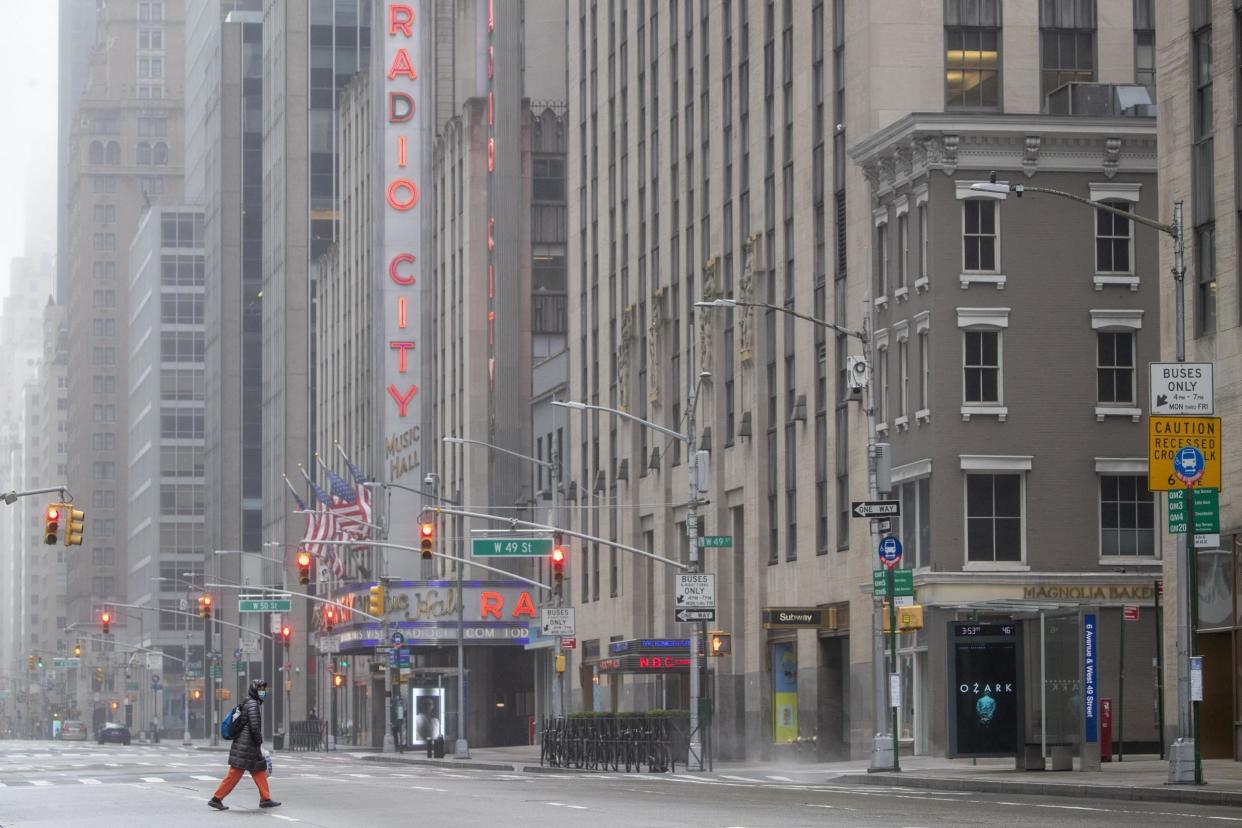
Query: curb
x=1172, y=793
x=441, y=763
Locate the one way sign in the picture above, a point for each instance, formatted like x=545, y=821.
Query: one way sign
x=875, y=508
x=687, y=615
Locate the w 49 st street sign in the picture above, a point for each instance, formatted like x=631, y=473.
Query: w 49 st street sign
x=508, y=547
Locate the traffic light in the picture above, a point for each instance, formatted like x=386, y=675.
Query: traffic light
x=99, y=678
x=51, y=523
x=286, y=635
x=30, y=662
x=721, y=643
x=204, y=606
x=329, y=618
x=196, y=694
x=375, y=605
x=40, y=662
x=116, y=705
x=304, y=564
x=75, y=521
x=559, y=553
x=105, y=622
x=77, y=650
x=426, y=539
x=338, y=679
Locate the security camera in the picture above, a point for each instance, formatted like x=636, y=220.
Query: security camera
x=840, y=128
x=856, y=372
x=429, y=480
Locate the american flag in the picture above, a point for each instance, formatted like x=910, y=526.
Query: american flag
x=362, y=491
x=323, y=526
x=345, y=504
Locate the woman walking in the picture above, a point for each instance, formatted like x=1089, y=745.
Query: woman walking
x=246, y=754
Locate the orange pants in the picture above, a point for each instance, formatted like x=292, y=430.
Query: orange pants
x=234, y=776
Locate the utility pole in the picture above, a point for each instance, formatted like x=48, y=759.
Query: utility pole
x=695, y=761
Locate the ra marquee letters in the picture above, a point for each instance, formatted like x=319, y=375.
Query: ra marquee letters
x=401, y=192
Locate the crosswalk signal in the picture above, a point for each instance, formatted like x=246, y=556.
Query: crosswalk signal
x=304, y=564
x=105, y=622
x=195, y=694
x=426, y=539
x=77, y=650
x=51, y=523
x=338, y=679
x=204, y=606
x=375, y=602
x=75, y=522
x=721, y=643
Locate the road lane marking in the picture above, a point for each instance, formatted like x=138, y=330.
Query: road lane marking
x=360, y=775
x=202, y=777
x=85, y=781
x=285, y=818
x=42, y=783
x=151, y=778
x=779, y=778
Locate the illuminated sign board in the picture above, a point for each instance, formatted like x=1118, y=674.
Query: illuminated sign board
x=635, y=645
x=632, y=663
x=403, y=142
x=985, y=689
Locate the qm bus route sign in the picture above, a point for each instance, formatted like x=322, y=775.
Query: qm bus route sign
x=1183, y=451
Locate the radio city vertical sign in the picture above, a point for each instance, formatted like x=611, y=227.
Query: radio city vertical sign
x=402, y=139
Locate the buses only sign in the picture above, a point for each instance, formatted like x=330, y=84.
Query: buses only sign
x=1183, y=451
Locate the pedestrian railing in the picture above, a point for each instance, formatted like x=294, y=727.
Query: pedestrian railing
x=308, y=735
x=629, y=742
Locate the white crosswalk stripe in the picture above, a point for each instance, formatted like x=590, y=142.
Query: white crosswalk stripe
x=152, y=778
x=90, y=781
x=202, y=778
x=40, y=782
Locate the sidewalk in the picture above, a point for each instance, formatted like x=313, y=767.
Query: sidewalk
x=1136, y=779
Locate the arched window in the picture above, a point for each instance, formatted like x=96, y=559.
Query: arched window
x=143, y=155
x=113, y=153
x=97, y=152
x=161, y=153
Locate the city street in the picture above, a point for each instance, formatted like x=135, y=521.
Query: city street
x=54, y=784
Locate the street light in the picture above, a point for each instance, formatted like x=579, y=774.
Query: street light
x=694, y=759
x=1187, y=563
x=881, y=744
x=554, y=472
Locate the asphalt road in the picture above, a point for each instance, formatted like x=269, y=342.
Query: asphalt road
x=82, y=784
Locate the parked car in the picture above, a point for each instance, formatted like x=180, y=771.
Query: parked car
x=74, y=732
x=112, y=732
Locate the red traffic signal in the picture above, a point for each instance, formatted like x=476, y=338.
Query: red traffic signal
x=51, y=524
x=557, y=559
x=105, y=621
x=304, y=563
x=329, y=617
x=286, y=634
x=204, y=606
x=426, y=539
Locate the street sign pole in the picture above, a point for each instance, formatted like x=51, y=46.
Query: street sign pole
x=1121, y=693
x=1192, y=581
x=892, y=651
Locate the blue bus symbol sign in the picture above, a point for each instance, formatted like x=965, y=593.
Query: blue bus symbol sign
x=890, y=551
x=1189, y=464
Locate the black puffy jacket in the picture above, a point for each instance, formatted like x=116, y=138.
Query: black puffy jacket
x=247, y=750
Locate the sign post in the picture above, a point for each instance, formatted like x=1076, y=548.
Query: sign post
x=890, y=556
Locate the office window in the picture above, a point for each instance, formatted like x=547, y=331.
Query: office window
x=903, y=370
x=982, y=367
x=104, y=413
x=1113, y=240
x=903, y=250
x=881, y=260
x=923, y=241
x=1145, y=45
x=105, y=213
x=979, y=235
x=105, y=242
x=994, y=517
x=1067, y=43
x=104, y=471
x=914, y=524
x=881, y=401
x=1115, y=367
x=1127, y=516
x=972, y=53
x=924, y=372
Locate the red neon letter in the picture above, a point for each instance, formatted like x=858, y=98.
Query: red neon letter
x=524, y=606
x=401, y=151
x=411, y=194
x=404, y=281
x=401, y=313
x=401, y=348
x=401, y=66
x=490, y=603
x=400, y=19
x=402, y=401
x=405, y=114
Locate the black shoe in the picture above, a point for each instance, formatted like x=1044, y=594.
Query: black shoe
x=268, y=803
x=217, y=804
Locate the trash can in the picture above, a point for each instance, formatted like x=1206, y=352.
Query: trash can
x=278, y=740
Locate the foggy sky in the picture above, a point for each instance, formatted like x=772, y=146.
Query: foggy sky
x=28, y=140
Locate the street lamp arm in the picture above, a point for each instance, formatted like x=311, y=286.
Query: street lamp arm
x=525, y=524
x=464, y=440
x=387, y=545
x=11, y=497
x=192, y=615
x=1108, y=208
x=130, y=647
x=581, y=406
x=314, y=598
x=385, y=485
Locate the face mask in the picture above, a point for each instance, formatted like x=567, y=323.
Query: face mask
x=262, y=694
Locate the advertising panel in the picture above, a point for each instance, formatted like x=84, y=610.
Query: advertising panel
x=427, y=723
x=985, y=689
x=785, y=691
